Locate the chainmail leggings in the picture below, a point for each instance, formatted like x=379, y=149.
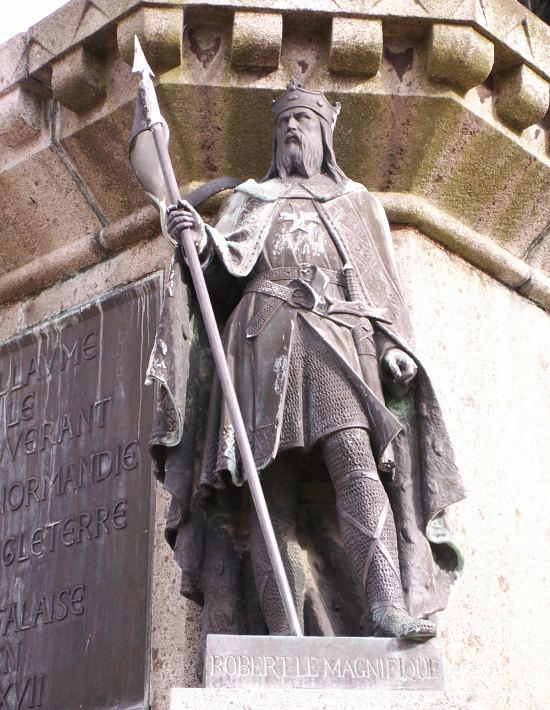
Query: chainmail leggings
x=365, y=517
x=366, y=525
x=279, y=483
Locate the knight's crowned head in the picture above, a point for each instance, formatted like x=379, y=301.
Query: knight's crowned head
x=297, y=97
x=302, y=141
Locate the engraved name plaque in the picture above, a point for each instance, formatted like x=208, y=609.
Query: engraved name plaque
x=75, y=507
x=322, y=662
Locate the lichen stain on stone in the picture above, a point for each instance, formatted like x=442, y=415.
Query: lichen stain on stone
x=205, y=54
x=280, y=367
x=521, y=212
x=442, y=134
x=157, y=661
x=484, y=91
x=474, y=641
x=304, y=66
x=229, y=450
x=401, y=61
x=482, y=182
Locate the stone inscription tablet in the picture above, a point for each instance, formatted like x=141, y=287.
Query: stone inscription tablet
x=322, y=662
x=75, y=507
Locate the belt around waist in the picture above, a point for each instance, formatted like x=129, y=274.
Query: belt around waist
x=305, y=272
x=304, y=297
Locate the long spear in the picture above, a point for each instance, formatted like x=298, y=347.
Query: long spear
x=154, y=123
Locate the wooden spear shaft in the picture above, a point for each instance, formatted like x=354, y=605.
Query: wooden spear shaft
x=193, y=262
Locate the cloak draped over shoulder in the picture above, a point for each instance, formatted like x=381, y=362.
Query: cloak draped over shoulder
x=206, y=519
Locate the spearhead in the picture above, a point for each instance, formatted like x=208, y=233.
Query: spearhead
x=141, y=65
x=146, y=88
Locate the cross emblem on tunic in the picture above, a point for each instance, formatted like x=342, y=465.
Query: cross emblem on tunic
x=300, y=221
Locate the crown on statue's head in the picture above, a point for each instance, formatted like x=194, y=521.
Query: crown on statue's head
x=296, y=96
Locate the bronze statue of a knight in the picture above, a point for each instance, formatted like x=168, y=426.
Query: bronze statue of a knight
x=354, y=459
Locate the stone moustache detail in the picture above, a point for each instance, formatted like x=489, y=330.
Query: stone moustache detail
x=316, y=662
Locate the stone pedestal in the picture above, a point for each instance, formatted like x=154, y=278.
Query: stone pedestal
x=312, y=662
x=247, y=698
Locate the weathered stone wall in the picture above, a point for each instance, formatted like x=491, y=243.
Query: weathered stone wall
x=445, y=116
x=443, y=101
x=488, y=351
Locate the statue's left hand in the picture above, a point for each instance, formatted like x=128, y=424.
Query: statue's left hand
x=400, y=366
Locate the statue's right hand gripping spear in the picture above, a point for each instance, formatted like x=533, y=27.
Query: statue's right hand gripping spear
x=154, y=122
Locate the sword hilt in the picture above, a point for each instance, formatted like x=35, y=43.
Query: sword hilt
x=352, y=283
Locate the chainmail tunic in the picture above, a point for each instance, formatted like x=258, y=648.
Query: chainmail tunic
x=320, y=397
x=295, y=366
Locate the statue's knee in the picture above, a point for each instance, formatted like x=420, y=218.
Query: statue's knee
x=348, y=451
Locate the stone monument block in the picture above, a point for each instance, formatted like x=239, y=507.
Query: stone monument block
x=77, y=79
x=311, y=662
x=160, y=32
x=522, y=96
x=459, y=55
x=20, y=117
x=257, y=39
x=355, y=46
x=75, y=507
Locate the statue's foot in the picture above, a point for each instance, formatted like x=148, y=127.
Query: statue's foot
x=394, y=622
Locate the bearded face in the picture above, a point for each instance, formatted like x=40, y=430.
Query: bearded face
x=299, y=143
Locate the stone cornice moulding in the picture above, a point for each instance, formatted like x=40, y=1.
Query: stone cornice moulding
x=519, y=36
x=402, y=208
x=515, y=30
x=481, y=111
x=473, y=247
